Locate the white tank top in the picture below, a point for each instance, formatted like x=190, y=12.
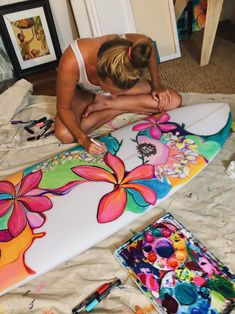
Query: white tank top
x=83, y=82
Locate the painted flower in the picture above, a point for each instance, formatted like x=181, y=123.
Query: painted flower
x=180, y=141
x=152, y=151
x=183, y=151
x=157, y=125
x=23, y=202
x=113, y=204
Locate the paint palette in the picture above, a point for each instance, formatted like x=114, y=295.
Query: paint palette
x=176, y=272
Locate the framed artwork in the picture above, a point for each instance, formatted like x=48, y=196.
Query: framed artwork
x=29, y=36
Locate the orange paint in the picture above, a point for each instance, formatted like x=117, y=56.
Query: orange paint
x=15, y=178
x=200, y=163
x=12, y=264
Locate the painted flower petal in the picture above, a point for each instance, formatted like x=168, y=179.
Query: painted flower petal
x=155, y=132
x=140, y=172
x=117, y=165
x=5, y=205
x=7, y=187
x=35, y=220
x=94, y=173
x=17, y=221
x=148, y=194
x=36, y=203
x=167, y=127
x=152, y=119
x=112, y=205
x=142, y=126
x=29, y=182
x=163, y=118
x=5, y=236
x=63, y=189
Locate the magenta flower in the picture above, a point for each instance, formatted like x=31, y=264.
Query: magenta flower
x=24, y=202
x=157, y=125
x=112, y=205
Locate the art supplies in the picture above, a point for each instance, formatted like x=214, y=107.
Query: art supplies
x=38, y=128
x=96, y=297
x=176, y=271
x=96, y=142
x=22, y=122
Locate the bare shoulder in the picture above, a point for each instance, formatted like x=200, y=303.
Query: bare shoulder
x=68, y=62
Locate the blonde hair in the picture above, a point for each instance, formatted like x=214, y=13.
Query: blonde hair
x=123, y=61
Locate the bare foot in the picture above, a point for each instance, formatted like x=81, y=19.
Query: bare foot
x=99, y=104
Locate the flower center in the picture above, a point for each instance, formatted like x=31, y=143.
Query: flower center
x=147, y=149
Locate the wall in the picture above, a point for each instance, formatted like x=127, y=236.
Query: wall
x=63, y=19
x=65, y=24
x=155, y=22
x=228, y=10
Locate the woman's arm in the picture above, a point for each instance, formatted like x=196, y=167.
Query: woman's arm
x=68, y=74
x=158, y=92
x=154, y=70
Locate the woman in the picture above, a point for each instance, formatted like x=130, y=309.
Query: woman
x=100, y=78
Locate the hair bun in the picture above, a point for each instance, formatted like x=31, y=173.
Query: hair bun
x=141, y=52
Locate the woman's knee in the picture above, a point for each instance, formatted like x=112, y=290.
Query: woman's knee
x=176, y=100
x=61, y=132
x=64, y=136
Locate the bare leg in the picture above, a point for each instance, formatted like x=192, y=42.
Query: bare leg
x=81, y=100
x=143, y=98
x=136, y=100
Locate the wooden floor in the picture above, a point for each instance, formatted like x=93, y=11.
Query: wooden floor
x=44, y=83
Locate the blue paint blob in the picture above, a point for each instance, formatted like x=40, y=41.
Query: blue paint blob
x=147, y=248
x=164, y=291
x=164, y=248
x=157, y=233
x=186, y=293
x=195, y=310
x=204, y=292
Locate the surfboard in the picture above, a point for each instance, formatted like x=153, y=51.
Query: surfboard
x=60, y=207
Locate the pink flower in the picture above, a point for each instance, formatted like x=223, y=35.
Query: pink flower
x=157, y=125
x=153, y=151
x=23, y=202
x=112, y=205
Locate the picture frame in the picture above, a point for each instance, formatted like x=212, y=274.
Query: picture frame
x=29, y=36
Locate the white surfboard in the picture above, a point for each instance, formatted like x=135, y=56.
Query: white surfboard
x=59, y=208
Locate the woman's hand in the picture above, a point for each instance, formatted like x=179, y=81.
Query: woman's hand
x=91, y=147
x=162, y=96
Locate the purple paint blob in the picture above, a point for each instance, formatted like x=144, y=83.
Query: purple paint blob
x=170, y=304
